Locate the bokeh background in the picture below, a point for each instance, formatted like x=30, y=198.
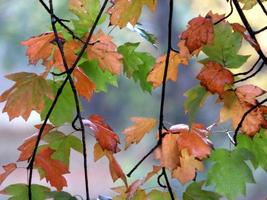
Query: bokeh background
x=21, y=19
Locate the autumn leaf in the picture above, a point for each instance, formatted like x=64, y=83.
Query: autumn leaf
x=53, y=169
x=188, y=166
x=214, y=77
x=237, y=102
x=154, y=171
x=105, y=52
x=122, y=12
x=199, y=33
x=20, y=192
x=215, y=17
x=104, y=134
x=115, y=169
x=30, y=87
x=159, y=195
x=195, y=192
x=9, y=168
x=85, y=87
x=62, y=145
x=39, y=47
x=156, y=74
x=135, y=133
x=98, y=152
x=28, y=145
x=229, y=180
x=248, y=4
x=225, y=47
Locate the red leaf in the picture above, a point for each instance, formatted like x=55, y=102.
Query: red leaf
x=9, y=168
x=53, y=169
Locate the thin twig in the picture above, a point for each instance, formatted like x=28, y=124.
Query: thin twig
x=250, y=70
x=229, y=14
x=244, y=117
x=260, y=30
x=262, y=7
x=252, y=75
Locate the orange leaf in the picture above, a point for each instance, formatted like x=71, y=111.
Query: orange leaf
x=168, y=153
x=28, y=145
x=215, y=17
x=214, y=77
x=156, y=74
x=237, y=102
x=27, y=94
x=98, y=152
x=199, y=33
x=123, y=11
x=85, y=87
x=53, y=169
x=154, y=171
x=135, y=133
x=105, y=52
x=115, y=169
x=9, y=168
x=187, y=171
x=104, y=134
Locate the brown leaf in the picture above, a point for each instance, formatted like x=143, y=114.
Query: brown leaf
x=155, y=76
x=215, y=17
x=9, y=168
x=85, y=87
x=122, y=12
x=237, y=102
x=199, y=33
x=187, y=169
x=214, y=77
x=53, y=169
x=27, y=94
x=105, y=52
x=104, y=134
x=135, y=133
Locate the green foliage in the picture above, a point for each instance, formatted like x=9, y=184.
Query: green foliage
x=61, y=196
x=158, y=195
x=225, y=47
x=229, y=172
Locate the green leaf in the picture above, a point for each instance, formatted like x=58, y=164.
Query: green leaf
x=62, y=144
x=137, y=64
x=20, y=192
x=248, y=4
x=61, y=196
x=225, y=47
x=65, y=108
x=194, y=192
x=158, y=195
x=196, y=97
x=229, y=173
x=86, y=11
x=140, y=194
x=98, y=76
x=257, y=146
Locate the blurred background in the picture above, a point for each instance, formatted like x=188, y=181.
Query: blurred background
x=20, y=20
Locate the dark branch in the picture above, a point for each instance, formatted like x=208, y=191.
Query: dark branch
x=244, y=117
x=262, y=7
x=250, y=70
x=229, y=14
x=260, y=30
x=159, y=180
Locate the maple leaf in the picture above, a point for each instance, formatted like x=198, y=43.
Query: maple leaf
x=53, y=169
x=123, y=11
x=194, y=191
x=155, y=76
x=62, y=144
x=215, y=17
x=115, y=169
x=20, y=192
x=85, y=87
x=154, y=171
x=104, y=134
x=30, y=87
x=39, y=47
x=159, y=195
x=168, y=152
x=61, y=195
x=188, y=166
x=199, y=33
x=248, y=4
x=98, y=152
x=9, y=168
x=196, y=97
x=28, y=145
x=225, y=47
x=234, y=179
x=136, y=64
x=105, y=52
x=237, y=102
x=214, y=77
x=135, y=133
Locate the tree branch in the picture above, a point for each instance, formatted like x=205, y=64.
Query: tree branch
x=250, y=70
x=230, y=13
x=262, y=7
